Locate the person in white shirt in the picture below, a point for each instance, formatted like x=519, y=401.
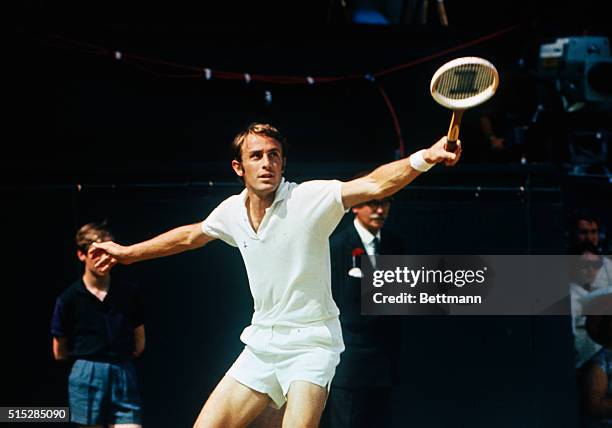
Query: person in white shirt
x=585, y=228
x=281, y=229
x=586, y=268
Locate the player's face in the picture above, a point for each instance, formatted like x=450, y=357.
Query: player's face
x=587, y=232
x=262, y=164
x=90, y=262
x=372, y=214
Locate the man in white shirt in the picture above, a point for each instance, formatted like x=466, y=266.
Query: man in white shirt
x=584, y=228
x=281, y=229
x=588, y=264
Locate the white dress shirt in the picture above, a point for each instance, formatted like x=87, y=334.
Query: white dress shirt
x=367, y=239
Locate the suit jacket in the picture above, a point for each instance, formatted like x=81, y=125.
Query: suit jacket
x=372, y=342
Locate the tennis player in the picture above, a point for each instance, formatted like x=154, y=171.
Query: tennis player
x=281, y=229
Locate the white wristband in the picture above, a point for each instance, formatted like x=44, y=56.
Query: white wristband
x=417, y=161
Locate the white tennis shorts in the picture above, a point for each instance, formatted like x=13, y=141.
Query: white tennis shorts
x=276, y=356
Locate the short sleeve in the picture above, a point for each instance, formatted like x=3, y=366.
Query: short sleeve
x=59, y=320
x=321, y=201
x=218, y=222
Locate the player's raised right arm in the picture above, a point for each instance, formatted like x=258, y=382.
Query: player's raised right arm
x=172, y=242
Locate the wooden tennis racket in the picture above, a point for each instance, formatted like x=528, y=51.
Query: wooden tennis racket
x=461, y=84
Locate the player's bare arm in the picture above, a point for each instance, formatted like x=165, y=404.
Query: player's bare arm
x=388, y=179
x=172, y=242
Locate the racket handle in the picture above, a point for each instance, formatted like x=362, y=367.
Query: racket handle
x=453, y=131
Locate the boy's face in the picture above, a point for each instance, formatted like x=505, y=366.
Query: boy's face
x=90, y=261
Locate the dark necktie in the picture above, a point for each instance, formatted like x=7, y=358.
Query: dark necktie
x=376, y=243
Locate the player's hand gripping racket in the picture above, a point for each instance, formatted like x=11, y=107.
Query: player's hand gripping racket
x=461, y=84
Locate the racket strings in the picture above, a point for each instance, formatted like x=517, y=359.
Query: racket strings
x=465, y=81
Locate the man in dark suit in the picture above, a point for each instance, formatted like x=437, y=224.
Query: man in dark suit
x=360, y=394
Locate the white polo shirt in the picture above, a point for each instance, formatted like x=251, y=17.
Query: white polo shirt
x=287, y=259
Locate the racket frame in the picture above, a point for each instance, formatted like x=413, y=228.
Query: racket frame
x=459, y=106
x=469, y=102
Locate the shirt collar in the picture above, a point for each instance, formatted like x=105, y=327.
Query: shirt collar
x=281, y=192
x=82, y=289
x=365, y=235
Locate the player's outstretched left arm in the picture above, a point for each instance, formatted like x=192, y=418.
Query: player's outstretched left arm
x=388, y=179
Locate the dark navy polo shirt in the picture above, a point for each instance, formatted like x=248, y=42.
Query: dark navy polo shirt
x=98, y=330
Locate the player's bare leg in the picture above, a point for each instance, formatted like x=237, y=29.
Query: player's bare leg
x=269, y=418
x=305, y=403
x=231, y=405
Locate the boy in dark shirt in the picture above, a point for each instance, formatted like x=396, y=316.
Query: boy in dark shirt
x=101, y=328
